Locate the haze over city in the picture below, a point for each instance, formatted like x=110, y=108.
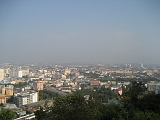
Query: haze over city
x=89, y=31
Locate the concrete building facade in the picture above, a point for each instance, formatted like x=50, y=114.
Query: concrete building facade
x=2, y=74
x=26, y=97
x=154, y=87
x=38, y=85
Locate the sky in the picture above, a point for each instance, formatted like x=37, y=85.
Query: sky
x=87, y=31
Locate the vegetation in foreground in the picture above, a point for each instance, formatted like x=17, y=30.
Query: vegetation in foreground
x=134, y=105
x=7, y=114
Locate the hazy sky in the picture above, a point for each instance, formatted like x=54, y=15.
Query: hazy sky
x=70, y=31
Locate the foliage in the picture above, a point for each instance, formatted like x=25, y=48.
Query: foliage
x=100, y=94
x=146, y=115
x=40, y=114
x=25, y=76
x=150, y=102
x=47, y=94
x=131, y=96
x=7, y=114
x=72, y=107
x=115, y=112
x=134, y=106
x=20, y=85
x=111, y=112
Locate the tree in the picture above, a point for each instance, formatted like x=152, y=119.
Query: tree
x=47, y=94
x=40, y=114
x=145, y=115
x=74, y=106
x=149, y=102
x=7, y=114
x=71, y=107
x=111, y=111
x=20, y=85
x=131, y=96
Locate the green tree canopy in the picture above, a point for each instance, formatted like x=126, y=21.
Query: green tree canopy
x=7, y=114
x=132, y=95
x=134, y=105
x=72, y=107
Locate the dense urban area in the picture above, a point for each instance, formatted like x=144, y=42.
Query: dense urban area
x=79, y=91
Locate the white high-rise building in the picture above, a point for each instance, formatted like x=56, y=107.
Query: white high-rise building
x=26, y=97
x=16, y=73
x=20, y=74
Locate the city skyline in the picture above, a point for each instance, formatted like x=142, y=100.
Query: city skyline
x=80, y=31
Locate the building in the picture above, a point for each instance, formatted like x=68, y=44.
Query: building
x=157, y=89
x=94, y=82
x=38, y=85
x=26, y=97
x=154, y=87
x=2, y=74
x=66, y=89
x=21, y=100
x=7, y=91
x=25, y=72
x=114, y=87
x=20, y=74
x=63, y=77
x=16, y=73
x=3, y=91
x=58, y=84
x=2, y=99
x=56, y=76
x=32, y=107
x=118, y=91
x=6, y=72
x=67, y=71
x=17, y=81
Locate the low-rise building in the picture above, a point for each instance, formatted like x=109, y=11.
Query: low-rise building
x=118, y=91
x=113, y=87
x=32, y=107
x=94, y=82
x=2, y=99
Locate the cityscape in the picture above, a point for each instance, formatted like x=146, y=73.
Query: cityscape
x=21, y=86
x=79, y=60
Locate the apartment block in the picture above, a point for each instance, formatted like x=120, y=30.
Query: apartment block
x=26, y=97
